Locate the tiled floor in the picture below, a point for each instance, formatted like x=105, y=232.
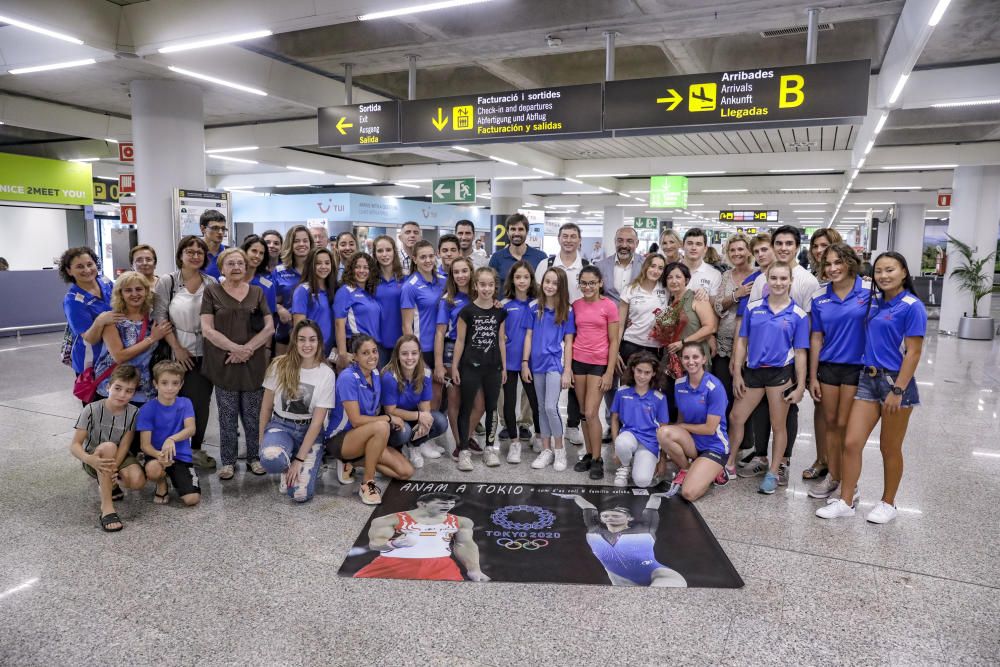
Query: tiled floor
x=248, y=578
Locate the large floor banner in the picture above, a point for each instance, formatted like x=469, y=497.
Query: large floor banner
x=473, y=531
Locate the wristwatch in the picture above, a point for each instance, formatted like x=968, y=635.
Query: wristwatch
x=898, y=391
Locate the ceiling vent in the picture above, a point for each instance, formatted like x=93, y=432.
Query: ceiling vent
x=797, y=30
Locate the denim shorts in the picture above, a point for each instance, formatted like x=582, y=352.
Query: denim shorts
x=878, y=388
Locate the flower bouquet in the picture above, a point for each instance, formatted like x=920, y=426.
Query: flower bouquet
x=667, y=329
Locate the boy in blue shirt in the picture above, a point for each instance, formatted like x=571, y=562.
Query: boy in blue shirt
x=165, y=427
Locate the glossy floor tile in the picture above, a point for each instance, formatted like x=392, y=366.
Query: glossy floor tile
x=248, y=578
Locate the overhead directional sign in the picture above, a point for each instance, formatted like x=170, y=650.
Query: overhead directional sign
x=453, y=191
x=359, y=124
x=668, y=191
x=517, y=114
x=807, y=93
x=646, y=223
x=748, y=216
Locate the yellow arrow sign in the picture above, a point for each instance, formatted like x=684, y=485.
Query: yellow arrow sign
x=674, y=99
x=342, y=124
x=440, y=122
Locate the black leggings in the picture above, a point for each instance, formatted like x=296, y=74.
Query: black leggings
x=198, y=389
x=473, y=379
x=510, y=403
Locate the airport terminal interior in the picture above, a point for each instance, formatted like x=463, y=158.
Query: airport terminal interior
x=596, y=132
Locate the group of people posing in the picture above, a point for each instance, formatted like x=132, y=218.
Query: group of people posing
x=322, y=351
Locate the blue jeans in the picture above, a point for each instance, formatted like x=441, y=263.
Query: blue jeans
x=281, y=440
x=403, y=436
x=877, y=389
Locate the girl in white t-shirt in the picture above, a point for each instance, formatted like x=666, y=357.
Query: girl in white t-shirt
x=298, y=392
x=641, y=300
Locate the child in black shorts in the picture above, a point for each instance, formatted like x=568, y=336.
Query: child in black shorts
x=165, y=427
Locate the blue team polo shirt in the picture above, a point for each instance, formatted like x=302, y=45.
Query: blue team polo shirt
x=695, y=404
x=741, y=305
x=889, y=324
x=212, y=268
x=774, y=337
x=422, y=296
x=165, y=420
x=547, y=339
x=266, y=284
x=408, y=399
x=502, y=260
x=516, y=325
x=448, y=315
x=391, y=325
x=842, y=322
x=352, y=386
x=359, y=308
x=285, y=281
x=81, y=309
x=316, y=308
x=641, y=415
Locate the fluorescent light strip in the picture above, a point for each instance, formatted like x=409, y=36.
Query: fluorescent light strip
x=799, y=171
x=811, y=210
x=362, y=179
x=896, y=187
x=874, y=203
x=542, y=171
x=938, y=12
x=221, y=82
x=406, y=185
x=305, y=169
x=904, y=167
x=415, y=9
x=938, y=210
x=233, y=159
x=414, y=180
x=602, y=175
x=992, y=455
x=216, y=41
x=802, y=189
x=869, y=147
x=969, y=103
x=881, y=122
x=293, y=185
x=46, y=68
x=238, y=187
x=743, y=203
x=40, y=30
x=85, y=159
x=504, y=160
x=728, y=190
x=517, y=178
x=693, y=173
x=898, y=90
x=234, y=149
x=604, y=189
x=109, y=139
x=638, y=192
x=807, y=203
x=573, y=180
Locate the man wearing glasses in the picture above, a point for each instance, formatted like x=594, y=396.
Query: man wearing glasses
x=213, y=230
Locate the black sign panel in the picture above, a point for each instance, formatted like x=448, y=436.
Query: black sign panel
x=829, y=91
x=516, y=114
x=748, y=216
x=359, y=124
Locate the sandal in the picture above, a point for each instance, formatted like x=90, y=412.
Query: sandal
x=117, y=493
x=816, y=471
x=226, y=472
x=255, y=467
x=162, y=498
x=108, y=519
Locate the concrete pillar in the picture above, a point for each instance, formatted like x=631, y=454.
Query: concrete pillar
x=614, y=217
x=507, y=198
x=168, y=129
x=909, y=241
x=975, y=220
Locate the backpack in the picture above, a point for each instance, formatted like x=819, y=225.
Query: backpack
x=552, y=260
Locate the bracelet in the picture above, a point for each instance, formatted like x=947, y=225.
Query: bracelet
x=524, y=361
x=298, y=459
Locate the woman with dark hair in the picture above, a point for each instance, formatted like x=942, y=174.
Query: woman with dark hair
x=455, y=298
x=257, y=272
x=837, y=347
x=313, y=298
x=519, y=290
x=390, y=285
x=177, y=300
x=287, y=275
x=237, y=326
x=406, y=393
x=637, y=414
x=273, y=240
x=355, y=308
x=357, y=431
x=821, y=239
x=143, y=260
x=887, y=391
x=87, y=306
x=419, y=299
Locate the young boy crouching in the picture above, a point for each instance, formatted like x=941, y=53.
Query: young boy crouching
x=104, y=433
x=165, y=425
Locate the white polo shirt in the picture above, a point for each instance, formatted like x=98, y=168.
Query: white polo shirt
x=706, y=277
x=804, y=285
x=572, y=273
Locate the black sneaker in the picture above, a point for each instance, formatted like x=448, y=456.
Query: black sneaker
x=474, y=446
x=524, y=433
x=750, y=453
x=583, y=465
x=597, y=469
x=504, y=434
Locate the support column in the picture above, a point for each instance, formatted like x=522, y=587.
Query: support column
x=975, y=220
x=614, y=217
x=168, y=130
x=812, y=36
x=909, y=234
x=348, y=83
x=507, y=198
x=411, y=88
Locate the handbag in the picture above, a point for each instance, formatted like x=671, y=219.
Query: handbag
x=256, y=322
x=86, y=384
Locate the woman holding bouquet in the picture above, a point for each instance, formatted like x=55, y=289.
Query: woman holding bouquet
x=684, y=320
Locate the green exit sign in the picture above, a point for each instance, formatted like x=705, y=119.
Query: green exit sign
x=668, y=191
x=646, y=223
x=453, y=191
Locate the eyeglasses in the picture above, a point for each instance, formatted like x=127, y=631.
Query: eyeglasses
x=589, y=283
x=193, y=252
x=215, y=228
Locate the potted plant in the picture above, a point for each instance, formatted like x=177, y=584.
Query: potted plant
x=974, y=276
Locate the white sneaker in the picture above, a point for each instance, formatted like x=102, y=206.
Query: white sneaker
x=544, y=459
x=429, y=451
x=491, y=456
x=835, y=510
x=465, y=460
x=416, y=458
x=560, y=459
x=883, y=513
x=573, y=436
x=345, y=472
x=854, y=500
x=514, y=452
x=621, y=476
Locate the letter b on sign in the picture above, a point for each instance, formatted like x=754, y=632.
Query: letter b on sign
x=791, y=94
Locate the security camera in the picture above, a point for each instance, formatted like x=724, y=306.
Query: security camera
x=553, y=42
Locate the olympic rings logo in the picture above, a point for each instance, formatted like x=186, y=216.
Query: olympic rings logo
x=522, y=543
x=501, y=517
